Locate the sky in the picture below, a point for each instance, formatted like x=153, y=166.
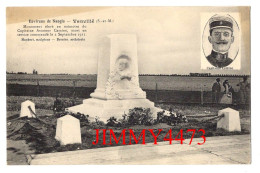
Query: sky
x=168, y=39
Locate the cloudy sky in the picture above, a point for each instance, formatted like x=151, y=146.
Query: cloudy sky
x=169, y=39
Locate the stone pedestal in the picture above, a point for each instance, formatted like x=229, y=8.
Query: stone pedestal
x=68, y=130
x=25, y=111
x=104, y=109
x=230, y=121
x=118, y=87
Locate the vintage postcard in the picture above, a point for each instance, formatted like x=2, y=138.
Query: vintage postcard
x=128, y=85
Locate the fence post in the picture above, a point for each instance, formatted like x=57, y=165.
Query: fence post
x=74, y=88
x=38, y=87
x=201, y=94
x=156, y=90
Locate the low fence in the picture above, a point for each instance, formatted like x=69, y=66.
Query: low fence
x=159, y=96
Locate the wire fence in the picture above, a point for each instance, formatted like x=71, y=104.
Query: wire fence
x=214, y=117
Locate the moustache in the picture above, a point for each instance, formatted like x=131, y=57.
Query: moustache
x=222, y=42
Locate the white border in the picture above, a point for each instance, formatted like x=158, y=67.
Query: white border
x=255, y=10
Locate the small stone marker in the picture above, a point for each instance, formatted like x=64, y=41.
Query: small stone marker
x=230, y=121
x=25, y=109
x=68, y=130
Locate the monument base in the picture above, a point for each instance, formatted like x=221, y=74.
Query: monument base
x=104, y=109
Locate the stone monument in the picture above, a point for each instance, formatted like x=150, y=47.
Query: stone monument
x=118, y=87
x=25, y=109
x=230, y=121
x=68, y=130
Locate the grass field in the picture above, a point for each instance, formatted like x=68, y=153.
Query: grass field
x=170, y=96
x=174, y=89
x=180, y=83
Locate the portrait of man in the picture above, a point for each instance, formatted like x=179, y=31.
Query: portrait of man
x=122, y=83
x=221, y=38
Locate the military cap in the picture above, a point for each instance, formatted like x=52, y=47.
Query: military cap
x=219, y=21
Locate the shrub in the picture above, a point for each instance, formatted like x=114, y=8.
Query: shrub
x=171, y=118
x=143, y=116
x=82, y=117
x=98, y=122
x=112, y=121
x=140, y=116
x=136, y=116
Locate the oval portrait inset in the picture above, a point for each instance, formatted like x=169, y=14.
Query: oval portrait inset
x=220, y=40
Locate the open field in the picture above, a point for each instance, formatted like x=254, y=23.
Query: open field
x=180, y=83
x=170, y=96
x=174, y=89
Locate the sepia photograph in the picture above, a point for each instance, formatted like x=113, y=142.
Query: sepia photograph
x=222, y=42
x=128, y=85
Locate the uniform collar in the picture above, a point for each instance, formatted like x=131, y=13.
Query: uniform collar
x=219, y=56
x=219, y=52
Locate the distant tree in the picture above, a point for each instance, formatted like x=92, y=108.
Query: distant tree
x=21, y=73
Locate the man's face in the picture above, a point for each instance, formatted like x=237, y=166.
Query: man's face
x=221, y=39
